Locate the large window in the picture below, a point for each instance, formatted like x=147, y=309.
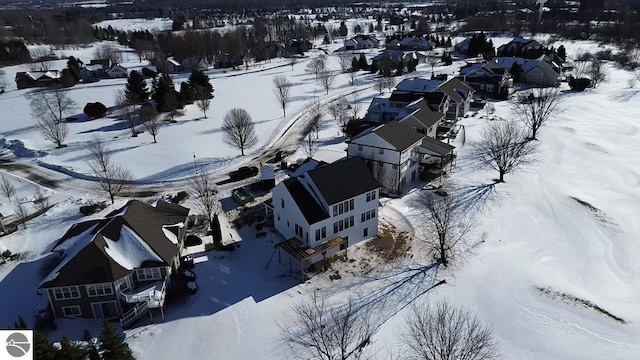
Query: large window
x=324, y=232
x=148, y=274
x=318, y=235
x=371, y=214
x=67, y=292
x=371, y=196
x=99, y=289
x=122, y=284
x=71, y=311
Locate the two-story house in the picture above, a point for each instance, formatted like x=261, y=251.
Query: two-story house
x=361, y=41
x=326, y=209
x=119, y=266
x=391, y=151
x=460, y=97
x=536, y=72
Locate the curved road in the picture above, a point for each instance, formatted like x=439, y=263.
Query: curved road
x=286, y=140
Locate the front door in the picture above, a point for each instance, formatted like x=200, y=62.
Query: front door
x=105, y=310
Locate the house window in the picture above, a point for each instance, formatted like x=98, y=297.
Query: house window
x=335, y=227
x=340, y=225
x=380, y=151
x=282, y=203
x=340, y=208
x=359, y=147
x=351, y=221
x=365, y=232
x=67, y=292
x=324, y=232
x=351, y=204
x=122, y=284
x=372, y=195
x=148, y=274
x=346, y=223
x=318, y=235
x=99, y=290
x=368, y=197
x=362, y=217
x=71, y=311
x=335, y=210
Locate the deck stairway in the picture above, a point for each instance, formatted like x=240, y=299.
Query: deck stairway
x=144, y=300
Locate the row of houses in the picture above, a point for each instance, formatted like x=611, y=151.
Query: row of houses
x=96, y=69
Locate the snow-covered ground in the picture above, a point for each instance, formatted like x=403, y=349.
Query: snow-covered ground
x=153, y=25
x=539, y=232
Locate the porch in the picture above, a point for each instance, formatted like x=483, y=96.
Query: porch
x=298, y=251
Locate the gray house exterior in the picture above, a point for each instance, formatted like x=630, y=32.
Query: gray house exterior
x=119, y=266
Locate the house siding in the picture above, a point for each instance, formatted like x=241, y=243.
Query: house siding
x=286, y=218
x=84, y=302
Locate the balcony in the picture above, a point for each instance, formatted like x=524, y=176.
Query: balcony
x=151, y=293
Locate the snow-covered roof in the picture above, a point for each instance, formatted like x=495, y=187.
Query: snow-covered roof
x=526, y=64
x=104, y=250
x=173, y=61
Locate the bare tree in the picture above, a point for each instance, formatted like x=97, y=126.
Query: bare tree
x=126, y=110
x=432, y=60
x=41, y=59
x=597, y=72
x=310, y=144
x=338, y=110
x=203, y=105
x=447, y=332
x=314, y=116
x=355, y=106
x=41, y=200
x=152, y=123
x=239, y=130
x=352, y=76
x=112, y=178
x=108, y=51
x=282, y=91
x=445, y=224
x=344, y=58
x=6, y=187
x=324, y=333
x=381, y=84
x=503, y=147
x=537, y=107
x=317, y=65
x=48, y=108
x=22, y=213
x=292, y=60
x=206, y=200
x=389, y=82
x=326, y=79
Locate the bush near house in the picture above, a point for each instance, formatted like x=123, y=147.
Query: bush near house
x=579, y=84
x=95, y=110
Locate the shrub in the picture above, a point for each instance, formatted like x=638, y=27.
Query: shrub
x=579, y=84
x=90, y=209
x=6, y=253
x=209, y=247
x=95, y=110
x=192, y=240
x=353, y=127
x=149, y=73
x=179, y=197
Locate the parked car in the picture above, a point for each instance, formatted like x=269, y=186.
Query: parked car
x=243, y=173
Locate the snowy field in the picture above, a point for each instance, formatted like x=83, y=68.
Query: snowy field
x=153, y=25
x=567, y=224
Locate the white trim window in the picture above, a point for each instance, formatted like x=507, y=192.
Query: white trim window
x=99, y=289
x=148, y=274
x=122, y=284
x=66, y=293
x=71, y=311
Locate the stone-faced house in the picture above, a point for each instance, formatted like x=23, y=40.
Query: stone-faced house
x=326, y=209
x=119, y=266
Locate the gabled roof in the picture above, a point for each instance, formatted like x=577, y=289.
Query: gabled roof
x=398, y=135
x=457, y=90
x=308, y=205
x=343, y=180
x=425, y=115
x=419, y=85
x=105, y=250
x=436, y=146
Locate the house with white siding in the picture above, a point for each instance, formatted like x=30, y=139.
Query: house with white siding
x=391, y=152
x=325, y=210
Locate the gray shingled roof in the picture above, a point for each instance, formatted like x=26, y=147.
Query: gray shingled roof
x=343, y=180
x=92, y=264
x=400, y=136
x=310, y=208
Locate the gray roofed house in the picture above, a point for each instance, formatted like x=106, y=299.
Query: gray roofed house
x=105, y=264
x=423, y=120
x=323, y=210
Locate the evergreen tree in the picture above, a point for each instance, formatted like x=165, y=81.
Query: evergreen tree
x=92, y=351
x=43, y=346
x=562, y=52
x=70, y=351
x=164, y=93
x=355, y=64
x=448, y=42
x=66, y=78
x=446, y=58
x=343, y=31
x=136, y=90
x=74, y=65
x=516, y=71
x=199, y=82
x=400, y=68
x=113, y=345
x=326, y=40
x=187, y=94
x=363, y=65
x=370, y=28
